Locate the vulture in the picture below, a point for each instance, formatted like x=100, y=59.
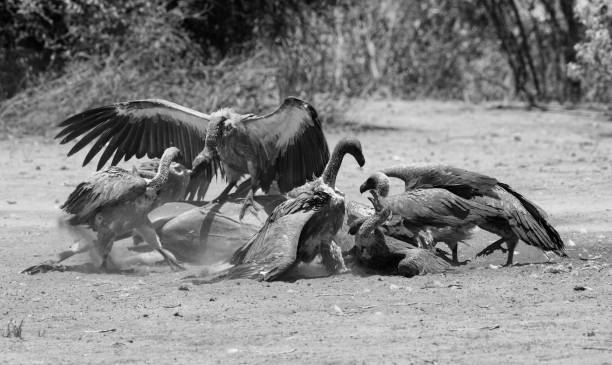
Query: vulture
x=116, y=202
x=522, y=218
x=286, y=146
x=425, y=211
x=298, y=229
x=373, y=250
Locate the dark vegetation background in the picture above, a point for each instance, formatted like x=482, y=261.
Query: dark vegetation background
x=59, y=57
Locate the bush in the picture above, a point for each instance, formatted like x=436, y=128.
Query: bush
x=594, y=53
x=62, y=56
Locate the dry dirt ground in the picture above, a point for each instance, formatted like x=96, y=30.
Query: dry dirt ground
x=533, y=312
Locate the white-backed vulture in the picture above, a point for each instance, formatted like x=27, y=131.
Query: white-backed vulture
x=522, y=220
x=115, y=202
x=426, y=210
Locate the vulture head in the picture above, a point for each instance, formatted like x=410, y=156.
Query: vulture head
x=214, y=132
x=378, y=182
x=350, y=146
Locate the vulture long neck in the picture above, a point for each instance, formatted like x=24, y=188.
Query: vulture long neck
x=400, y=172
x=212, y=136
x=161, y=177
x=333, y=165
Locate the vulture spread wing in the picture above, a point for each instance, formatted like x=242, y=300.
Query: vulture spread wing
x=103, y=189
x=139, y=128
x=293, y=142
x=464, y=183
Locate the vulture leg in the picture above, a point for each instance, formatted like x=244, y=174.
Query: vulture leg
x=455, y=255
x=104, y=244
x=331, y=256
x=248, y=201
x=223, y=196
x=150, y=236
x=492, y=248
x=511, y=245
x=248, y=204
x=454, y=247
x=54, y=265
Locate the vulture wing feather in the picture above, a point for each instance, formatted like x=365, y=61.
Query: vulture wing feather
x=293, y=141
x=148, y=120
x=443, y=176
x=103, y=189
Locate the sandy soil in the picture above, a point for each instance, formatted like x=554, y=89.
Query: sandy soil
x=477, y=314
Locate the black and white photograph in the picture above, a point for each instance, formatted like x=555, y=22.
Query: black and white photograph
x=306, y=182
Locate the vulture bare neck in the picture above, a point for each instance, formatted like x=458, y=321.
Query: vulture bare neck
x=161, y=177
x=333, y=165
x=374, y=221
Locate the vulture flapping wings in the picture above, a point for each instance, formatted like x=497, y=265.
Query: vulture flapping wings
x=290, y=137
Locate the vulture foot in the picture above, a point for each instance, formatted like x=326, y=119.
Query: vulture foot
x=171, y=260
x=43, y=268
x=461, y=263
x=248, y=204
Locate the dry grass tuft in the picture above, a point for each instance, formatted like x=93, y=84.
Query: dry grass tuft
x=13, y=329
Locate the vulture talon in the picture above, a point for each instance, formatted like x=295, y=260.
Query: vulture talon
x=171, y=261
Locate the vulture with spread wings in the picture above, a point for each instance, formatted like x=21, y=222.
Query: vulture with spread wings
x=286, y=146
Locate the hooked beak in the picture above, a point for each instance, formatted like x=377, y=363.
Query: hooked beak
x=360, y=159
x=354, y=228
x=365, y=187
